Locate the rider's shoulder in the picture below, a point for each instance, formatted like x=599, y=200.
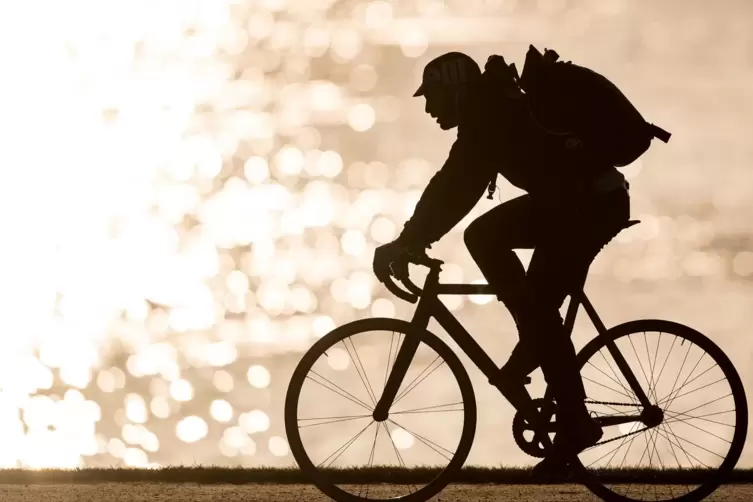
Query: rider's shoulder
x=489, y=107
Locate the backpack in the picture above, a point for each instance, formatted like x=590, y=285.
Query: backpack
x=567, y=98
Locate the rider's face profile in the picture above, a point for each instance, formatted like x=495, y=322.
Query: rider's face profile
x=442, y=105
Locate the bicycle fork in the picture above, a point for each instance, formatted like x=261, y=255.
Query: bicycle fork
x=402, y=362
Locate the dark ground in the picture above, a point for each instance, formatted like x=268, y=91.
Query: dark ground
x=200, y=484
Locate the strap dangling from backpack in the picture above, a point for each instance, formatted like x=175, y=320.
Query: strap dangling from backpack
x=492, y=187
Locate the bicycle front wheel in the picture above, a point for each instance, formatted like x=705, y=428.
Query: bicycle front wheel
x=688, y=441
x=410, y=456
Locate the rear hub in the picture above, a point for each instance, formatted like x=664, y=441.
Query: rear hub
x=652, y=416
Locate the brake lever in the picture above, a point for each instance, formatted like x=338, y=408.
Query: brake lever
x=393, y=288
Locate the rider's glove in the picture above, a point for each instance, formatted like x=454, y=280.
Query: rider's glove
x=392, y=259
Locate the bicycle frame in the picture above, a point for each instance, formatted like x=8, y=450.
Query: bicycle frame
x=430, y=306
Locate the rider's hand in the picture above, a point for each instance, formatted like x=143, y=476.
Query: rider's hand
x=391, y=259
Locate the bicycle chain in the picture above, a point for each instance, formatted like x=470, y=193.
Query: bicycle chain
x=610, y=403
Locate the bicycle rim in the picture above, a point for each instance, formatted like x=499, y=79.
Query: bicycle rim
x=338, y=472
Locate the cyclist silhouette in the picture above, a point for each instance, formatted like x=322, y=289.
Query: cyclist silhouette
x=574, y=204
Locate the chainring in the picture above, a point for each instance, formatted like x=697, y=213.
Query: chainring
x=520, y=427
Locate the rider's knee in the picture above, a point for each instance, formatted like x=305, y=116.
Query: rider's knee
x=480, y=239
x=474, y=237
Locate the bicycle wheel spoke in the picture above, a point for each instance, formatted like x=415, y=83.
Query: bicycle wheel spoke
x=410, y=385
x=690, y=392
x=606, y=386
x=671, y=446
x=340, y=391
x=664, y=365
x=661, y=464
x=624, y=458
x=394, y=447
x=616, y=413
x=679, y=445
x=344, y=447
x=397, y=453
x=640, y=364
x=389, y=358
x=630, y=486
x=410, y=388
x=645, y=450
x=694, y=444
x=706, y=404
x=627, y=394
x=359, y=369
x=373, y=447
x=429, y=409
x=701, y=417
x=427, y=442
x=686, y=379
x=609, y=377
x=696, y=427
x=680, y=372
x=330, y=420
x=650, y=458
x=624, y=439
x=615, y=450
x=630, y=445
x=679, y=466
x=651, y=367
x=371, y=456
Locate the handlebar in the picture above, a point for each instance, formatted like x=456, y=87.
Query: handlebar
x=414, y=292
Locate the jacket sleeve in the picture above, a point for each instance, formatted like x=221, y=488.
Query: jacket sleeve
x=450, y=195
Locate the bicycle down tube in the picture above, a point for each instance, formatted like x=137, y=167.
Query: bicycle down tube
x=430, y=306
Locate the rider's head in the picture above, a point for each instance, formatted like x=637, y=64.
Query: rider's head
x=444, y=84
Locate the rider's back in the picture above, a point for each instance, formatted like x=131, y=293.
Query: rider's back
x=505, y=138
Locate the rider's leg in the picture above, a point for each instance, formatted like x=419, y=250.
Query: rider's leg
x=490, y=239
x=560, y=263
x=553, y=271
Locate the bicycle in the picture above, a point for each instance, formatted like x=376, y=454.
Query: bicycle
x=629, y=410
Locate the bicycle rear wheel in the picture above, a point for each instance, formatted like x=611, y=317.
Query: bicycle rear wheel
x=687, y=444
x=333, y=436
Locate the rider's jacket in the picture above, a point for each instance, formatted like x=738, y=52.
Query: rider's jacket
x=497, y=135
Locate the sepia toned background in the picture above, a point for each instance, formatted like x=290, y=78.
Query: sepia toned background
x=192, y=191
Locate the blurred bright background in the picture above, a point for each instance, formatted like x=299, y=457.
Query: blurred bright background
x=192, y=191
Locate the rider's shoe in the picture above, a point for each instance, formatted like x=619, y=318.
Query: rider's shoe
x=552, y=469
x=512, y=385
x=570, y=440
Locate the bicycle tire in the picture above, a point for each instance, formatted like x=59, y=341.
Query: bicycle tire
x=396, y=326
x=738, y=392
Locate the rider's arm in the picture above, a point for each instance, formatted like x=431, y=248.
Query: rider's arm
x=450, y=195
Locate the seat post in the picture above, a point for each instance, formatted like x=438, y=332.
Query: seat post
x=572, y=311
